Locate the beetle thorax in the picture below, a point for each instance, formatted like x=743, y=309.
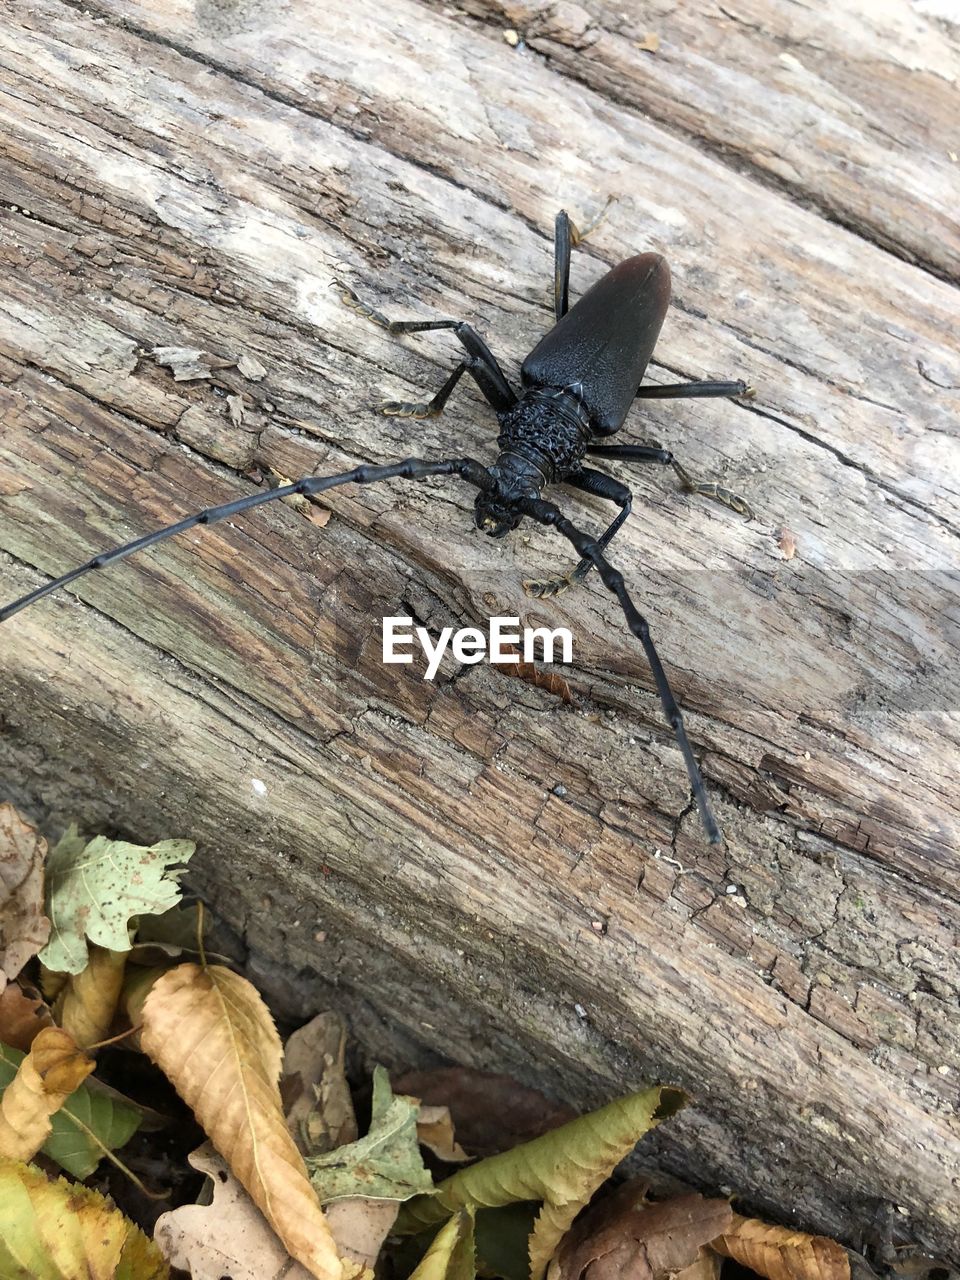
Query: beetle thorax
x=549, y=426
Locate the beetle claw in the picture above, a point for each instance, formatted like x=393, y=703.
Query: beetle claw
x=544, y=588
x=406, y=409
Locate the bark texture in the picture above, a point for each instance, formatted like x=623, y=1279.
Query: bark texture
x=472, y=868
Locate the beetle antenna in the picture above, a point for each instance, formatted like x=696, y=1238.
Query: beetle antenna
x=548, y=513
x=409, y=469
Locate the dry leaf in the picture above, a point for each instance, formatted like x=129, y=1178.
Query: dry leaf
x=316, y=1097
x=360, y=1226
x=51, y=1229
x=95, y=887
x=385, y=1164
x=491, y=1112
x=320, y=516
x=227, y=1235
x=435, y=1131
x=626, y=1236
x=211, y=1034
x=787, y=542
x=782, y=1254
x=86, y=1005
x=706, y=1267
x=649, y=44
x=529, y=672
x=22, y=1014
x=50, y=1072
x=23, y=927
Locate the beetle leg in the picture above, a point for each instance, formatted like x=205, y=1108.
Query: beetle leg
x=566, y=235
x=711, y=489
x=482, y=366
x=431, y=408
x=653, y=453
x=600, y=486
x=697, y=390
x=547, y=513
x=409, y=469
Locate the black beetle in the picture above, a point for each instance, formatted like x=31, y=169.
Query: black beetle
x=578, y=384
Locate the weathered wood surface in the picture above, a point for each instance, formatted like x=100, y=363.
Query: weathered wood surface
x=195, y=174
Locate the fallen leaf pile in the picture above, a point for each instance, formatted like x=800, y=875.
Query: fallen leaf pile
x=458, y=1172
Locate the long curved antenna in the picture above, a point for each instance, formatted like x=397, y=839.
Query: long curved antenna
x=409, y=469
x=549, y=514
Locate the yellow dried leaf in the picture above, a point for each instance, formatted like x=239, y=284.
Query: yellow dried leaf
x=50, y=1072
x=86, y=1005
x=782, y=1254
x=211, y=1034
x=56, y=1230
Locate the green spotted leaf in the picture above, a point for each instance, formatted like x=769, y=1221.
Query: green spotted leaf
x=93, y=889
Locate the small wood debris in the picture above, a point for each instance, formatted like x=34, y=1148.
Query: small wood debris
x=250, y=367
x=787, y=542
x=235, y=409
x=649, y=44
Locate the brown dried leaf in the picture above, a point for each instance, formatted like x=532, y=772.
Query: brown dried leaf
x=780, y=1253
x=626, y=1236
x=211, y=1034
x=24, y=928
x=50, y=1072
x=316, y=1098
x=86, y=1005
x=491, y=1112
x=529, y=672
x=22, y=1014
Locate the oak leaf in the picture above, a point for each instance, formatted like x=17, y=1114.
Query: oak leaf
x=46, y=1077
x=227, y=1235
x=51, y=1229
x=211, y=1034
x=626, y=1236
x=94, y=888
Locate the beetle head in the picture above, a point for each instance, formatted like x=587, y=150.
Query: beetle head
x=496, y=510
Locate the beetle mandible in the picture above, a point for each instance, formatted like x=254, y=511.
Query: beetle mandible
x=577, y=386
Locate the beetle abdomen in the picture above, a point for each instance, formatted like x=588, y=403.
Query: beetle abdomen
x=602, y=346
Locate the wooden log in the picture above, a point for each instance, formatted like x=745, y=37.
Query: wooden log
x=472, y=867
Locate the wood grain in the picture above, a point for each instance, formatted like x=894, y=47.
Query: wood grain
x=471, y=862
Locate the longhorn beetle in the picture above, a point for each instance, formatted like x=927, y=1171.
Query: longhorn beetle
x=577, y=386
